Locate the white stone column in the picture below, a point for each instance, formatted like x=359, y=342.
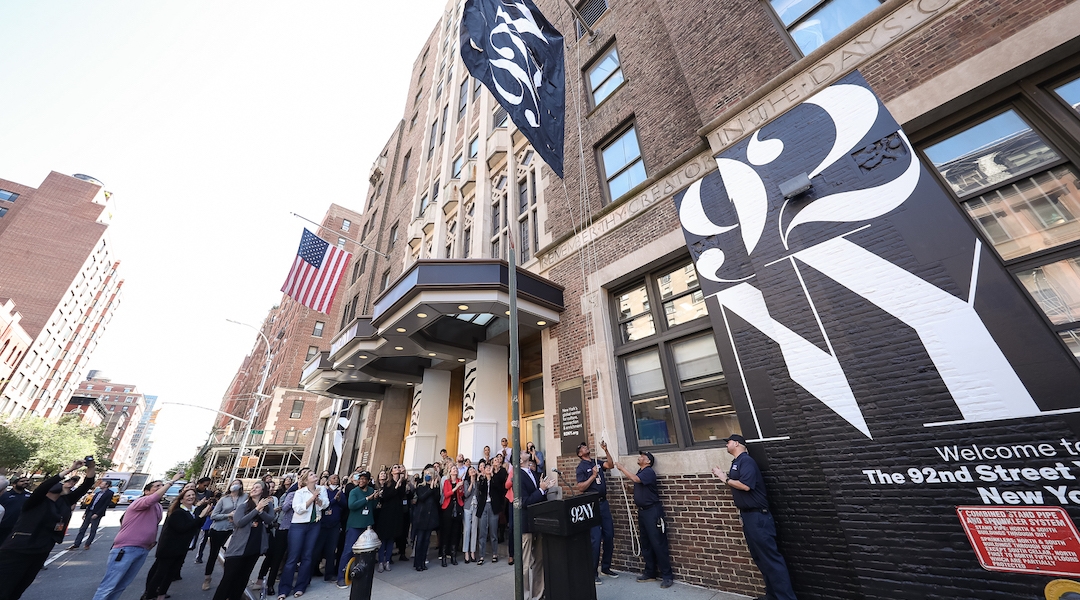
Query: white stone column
x=427, y=430
x=484, y=407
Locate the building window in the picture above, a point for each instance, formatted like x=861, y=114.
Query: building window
x=434, y=136
x=345, y=224
x=605, y=76
x=474, y=147
x=3, y=211
x=341, y=243
x=405, y=166
x=385, y=281
x=435, y=192
x=622, y=165
x=669, y=371
x=317, y=331
x=297, y=409
x=466, y=242
x=811, y=23
x=393, y=237
x=590, y=12
x=445, y=122
x=463, y=99
x=311, y=352
x=424, y=202
x=1020, y=186
x=498, y=119
x=419, y=95
x=9, y=196
x=459, y=161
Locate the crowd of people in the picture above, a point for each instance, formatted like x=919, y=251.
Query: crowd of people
x=305, y=525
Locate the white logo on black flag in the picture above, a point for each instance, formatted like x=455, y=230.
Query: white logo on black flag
x=512, y=48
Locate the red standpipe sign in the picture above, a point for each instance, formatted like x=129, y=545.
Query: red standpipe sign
x=1039, y=540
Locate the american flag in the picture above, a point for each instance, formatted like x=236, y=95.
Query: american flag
x=315, y=273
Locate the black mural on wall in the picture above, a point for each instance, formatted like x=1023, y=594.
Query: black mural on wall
x=867, y=332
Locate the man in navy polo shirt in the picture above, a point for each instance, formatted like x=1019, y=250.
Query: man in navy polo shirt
x=748, y=491
x=592, y=478
x=652, y=528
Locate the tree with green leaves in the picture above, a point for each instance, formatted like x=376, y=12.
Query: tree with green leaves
x=35, y=445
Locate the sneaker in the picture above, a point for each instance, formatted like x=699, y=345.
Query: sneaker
x=666, y=583
x=597, y=580
x=73, y=547
x=341, y=584
x=610, y=573
x=644, y=578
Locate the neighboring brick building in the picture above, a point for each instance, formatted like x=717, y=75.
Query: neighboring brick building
x=774, y=221
x=59, y=270
x=124, y=407
x=286, y=414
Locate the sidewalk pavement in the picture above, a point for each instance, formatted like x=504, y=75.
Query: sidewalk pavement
x=496, y=580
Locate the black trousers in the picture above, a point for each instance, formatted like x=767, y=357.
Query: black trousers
x=17, y=572
x=217, y=540
x=275, y=553
x=202, y=545
x=161, y=575
x=235, y=577
x=652, y=533
x=449, y=532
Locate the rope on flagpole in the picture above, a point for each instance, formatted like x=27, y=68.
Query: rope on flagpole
x=387, y=256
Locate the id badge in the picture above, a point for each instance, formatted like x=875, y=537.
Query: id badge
x=59, y=527
x=405, y=502
x=365, y=511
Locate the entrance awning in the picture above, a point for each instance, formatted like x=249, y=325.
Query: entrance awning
x=433, y=316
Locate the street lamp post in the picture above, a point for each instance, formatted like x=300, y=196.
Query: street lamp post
x=258, y=397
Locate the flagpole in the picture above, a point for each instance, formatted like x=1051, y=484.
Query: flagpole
x=515, y=416
x=343, y=237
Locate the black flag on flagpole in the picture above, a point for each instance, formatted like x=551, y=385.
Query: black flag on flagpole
x=518, y=55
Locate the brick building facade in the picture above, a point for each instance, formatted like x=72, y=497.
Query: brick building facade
x=125, y=406
x=693, y=293
x=60, y=271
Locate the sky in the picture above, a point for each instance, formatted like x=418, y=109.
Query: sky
x=210, y=122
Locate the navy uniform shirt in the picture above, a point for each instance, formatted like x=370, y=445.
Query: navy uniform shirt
x=599, y=485
x=745, y=470
x=645, y=494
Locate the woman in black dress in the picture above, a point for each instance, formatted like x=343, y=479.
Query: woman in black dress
x=389, y=517
x=182, y=523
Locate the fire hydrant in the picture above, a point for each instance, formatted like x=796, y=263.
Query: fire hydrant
x=362, y=567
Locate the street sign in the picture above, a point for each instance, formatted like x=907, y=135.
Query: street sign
x=1041, y=540
x=258, y=431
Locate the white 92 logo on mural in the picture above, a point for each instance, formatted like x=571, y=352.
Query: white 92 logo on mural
x=750, y=243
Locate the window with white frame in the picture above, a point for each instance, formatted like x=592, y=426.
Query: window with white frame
x=605, y=76
x=621, y=164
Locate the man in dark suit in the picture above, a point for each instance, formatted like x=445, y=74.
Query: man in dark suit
x=101, y=502
x=533, y=489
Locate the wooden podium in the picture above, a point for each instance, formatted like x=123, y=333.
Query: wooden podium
x=565, y=526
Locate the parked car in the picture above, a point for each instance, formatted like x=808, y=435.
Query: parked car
x=129, y=496
x=172, y=492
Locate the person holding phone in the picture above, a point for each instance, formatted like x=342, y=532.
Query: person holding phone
x=182, y=523
x=132, y=544
x=248, y=541
x=427, y=516
x=44, y=518
x=308, y=502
